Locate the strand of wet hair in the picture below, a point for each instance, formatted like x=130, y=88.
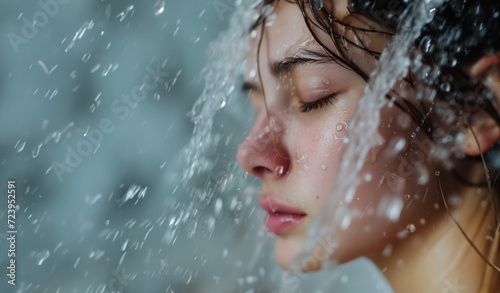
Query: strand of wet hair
x=462, y=231
x=487, y=174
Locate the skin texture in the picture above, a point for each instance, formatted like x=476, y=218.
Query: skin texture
x=296, y=155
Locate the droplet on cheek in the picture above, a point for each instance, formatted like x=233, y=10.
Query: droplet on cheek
x=387, y=250
x=400, y=144
x=346, y=222
x=326, y=81
x=403, y=121
x=423, y=179
x=324, y=167
x=407, y=197
x=454, y=200
x=391, y=208
x=340, y=127
x=411, y=228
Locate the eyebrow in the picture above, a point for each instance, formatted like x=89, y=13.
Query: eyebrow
x=288, y=64
x=303, y=57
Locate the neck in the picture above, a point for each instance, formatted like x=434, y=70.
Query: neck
x=438, y=258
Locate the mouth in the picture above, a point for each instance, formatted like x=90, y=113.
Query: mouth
x=281, y=217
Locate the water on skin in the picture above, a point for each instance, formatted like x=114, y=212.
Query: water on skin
x=220, y=83
x=363, y=135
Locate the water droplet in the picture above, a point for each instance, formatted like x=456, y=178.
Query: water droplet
x=407, y=197
x=222, y=103
x=124, y=245
x=86, y=57
x=218, y=206
x=36, y=150
x=346, y=222
x=368, y=177
x=176, y=31
x=323, y=167
x=445, y=87
x=393, y=209
x=195, y=39
x=454, y=200
x=156, y=97
x=279, y=170
x=42, y=256
x=422, y=221
x=326, y=81
x=89, y=199
x=411, y=228
x=95, y=68
x=20, y=146
x=106, y=70
x=437, y=173
x=54, y=93
x=124, y=13
x=400, y=145
x=159, y=7
x=387, y=250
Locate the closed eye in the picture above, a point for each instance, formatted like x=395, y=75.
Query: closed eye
x=318, y=104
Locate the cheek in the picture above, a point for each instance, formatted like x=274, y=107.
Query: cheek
x=318, y=146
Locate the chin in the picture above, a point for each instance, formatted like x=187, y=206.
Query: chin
x=286, y=252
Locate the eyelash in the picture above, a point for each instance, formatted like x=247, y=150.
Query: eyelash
x=323, y=102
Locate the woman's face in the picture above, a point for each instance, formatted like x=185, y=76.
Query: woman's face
x=296, y=146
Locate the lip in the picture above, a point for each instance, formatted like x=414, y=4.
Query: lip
x=281, y=217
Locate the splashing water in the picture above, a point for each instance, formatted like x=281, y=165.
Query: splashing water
x=88, y=25
x=159, y=7
x=364, y=135
x=227, y=59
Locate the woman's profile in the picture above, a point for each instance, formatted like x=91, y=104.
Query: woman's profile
x=426, y=208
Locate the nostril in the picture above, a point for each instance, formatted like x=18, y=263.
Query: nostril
x=260, y=170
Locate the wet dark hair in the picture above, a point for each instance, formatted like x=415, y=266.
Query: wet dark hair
x=461, y=32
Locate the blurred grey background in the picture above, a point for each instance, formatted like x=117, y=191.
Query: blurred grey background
x=94, y=97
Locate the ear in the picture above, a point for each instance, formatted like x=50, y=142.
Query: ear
x=486, y=130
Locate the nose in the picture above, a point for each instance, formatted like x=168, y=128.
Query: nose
x=263, y=154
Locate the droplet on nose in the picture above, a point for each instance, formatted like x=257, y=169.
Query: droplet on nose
x=279, y=170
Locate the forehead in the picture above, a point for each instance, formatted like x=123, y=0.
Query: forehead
x=286, y=33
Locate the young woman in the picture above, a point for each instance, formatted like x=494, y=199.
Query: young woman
x=426, y=207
